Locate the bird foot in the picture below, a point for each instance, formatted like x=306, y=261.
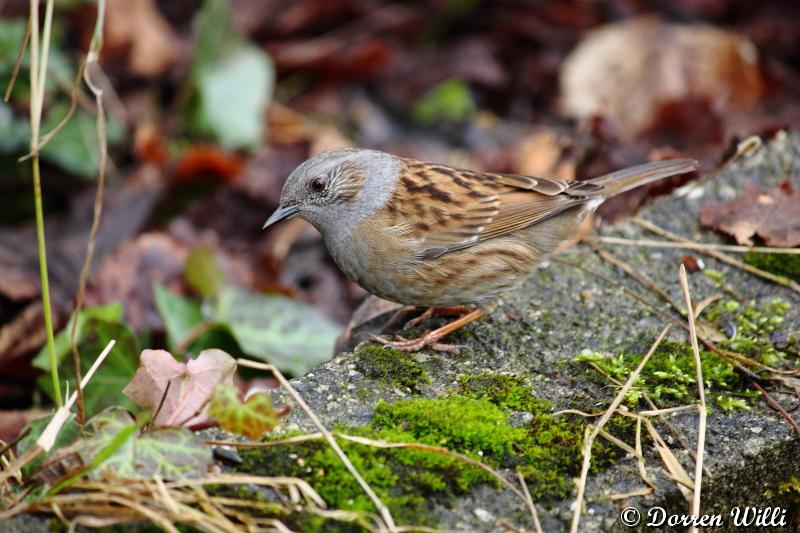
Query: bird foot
x=420, y=343
x=436, y=311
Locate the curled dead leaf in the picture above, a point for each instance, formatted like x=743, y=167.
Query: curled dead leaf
x=639, y=73
x=770, y=214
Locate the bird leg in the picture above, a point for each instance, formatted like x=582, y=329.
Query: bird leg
x=436, y=311
x=432, y=338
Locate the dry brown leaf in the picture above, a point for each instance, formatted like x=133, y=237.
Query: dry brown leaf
x=641, y=73
x=191, y=385
x=771, y=214
x=136, y=28
x=544, y=154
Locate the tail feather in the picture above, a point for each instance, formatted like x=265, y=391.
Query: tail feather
x=629, y=178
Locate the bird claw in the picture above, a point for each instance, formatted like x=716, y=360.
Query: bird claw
x=415, y=345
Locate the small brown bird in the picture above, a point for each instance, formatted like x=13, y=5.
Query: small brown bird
x=429, y=235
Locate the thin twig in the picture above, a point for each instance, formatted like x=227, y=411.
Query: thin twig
x=592, y=434
x=379, y=505
x=529, y=501
x=780, y=280
x=775, y=405
x=649, y=243
x=701, y=421
x=18, y=62
x=640, y=277
x=100, y=125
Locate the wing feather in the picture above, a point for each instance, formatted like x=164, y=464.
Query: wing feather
x=449, y=209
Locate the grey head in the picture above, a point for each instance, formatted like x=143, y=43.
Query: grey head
x=337, y=189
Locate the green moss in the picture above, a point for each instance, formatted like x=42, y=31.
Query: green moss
x=786, y=265
x=550, y=453
x=466, y=425
x=752, y=327
x=504, y=390
x=393, y=366
x=472, y=421
x=669, y=376
x=406, y=479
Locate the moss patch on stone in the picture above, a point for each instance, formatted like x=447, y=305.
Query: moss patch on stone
x=550, y=452
x=670, y=374
x=391, y=366
x=786, y=265
x=473, y=420
x=755, y=330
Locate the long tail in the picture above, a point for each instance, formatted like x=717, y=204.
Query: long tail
x=630, y=178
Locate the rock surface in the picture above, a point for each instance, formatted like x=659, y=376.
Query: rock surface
x=536, y=332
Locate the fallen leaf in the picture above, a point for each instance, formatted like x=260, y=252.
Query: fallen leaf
x=545, y=154
x=136, y=29
x=191, y=384
x=129, y=274
x=373, y=317
x=770, y=214
x=251, y=418
x=116, y=444
x=637, y=73
x=204, y=161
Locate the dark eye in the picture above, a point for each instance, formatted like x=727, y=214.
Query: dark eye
x=318, y=184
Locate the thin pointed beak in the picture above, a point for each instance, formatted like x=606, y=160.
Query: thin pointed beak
x=282, y=213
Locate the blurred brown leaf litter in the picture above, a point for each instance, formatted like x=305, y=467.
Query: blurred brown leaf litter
x=559, y=89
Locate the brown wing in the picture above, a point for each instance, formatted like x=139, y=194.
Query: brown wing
x=449, y=209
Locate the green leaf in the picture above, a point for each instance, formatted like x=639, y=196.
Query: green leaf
x=15, y=133
x=450, y=100
x=234, y=94
x=202, y=272
x=252, y=418
x=96, y=327
x=234, y=80
x=74, y=148
x=168, y=453
x=214, y=32
x=110, y=313
x=69, y=433
x=180, y=314
x=288, y=333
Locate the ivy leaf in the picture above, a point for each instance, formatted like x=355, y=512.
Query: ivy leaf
x=180, y=314
x=234, y=96
x=279, y=330
x=252, y=418
x=116, y=443
x=69, y=433
x=75, y=147
x=234, y=79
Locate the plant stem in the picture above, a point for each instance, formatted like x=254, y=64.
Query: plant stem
x=48, y=317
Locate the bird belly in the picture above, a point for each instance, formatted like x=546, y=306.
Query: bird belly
x=386, y=264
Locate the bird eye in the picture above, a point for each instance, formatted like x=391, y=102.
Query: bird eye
x=318, y=184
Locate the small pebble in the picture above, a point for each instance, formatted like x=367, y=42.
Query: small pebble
x=483, y=515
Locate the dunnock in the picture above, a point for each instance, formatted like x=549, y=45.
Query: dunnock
x=430, y=235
